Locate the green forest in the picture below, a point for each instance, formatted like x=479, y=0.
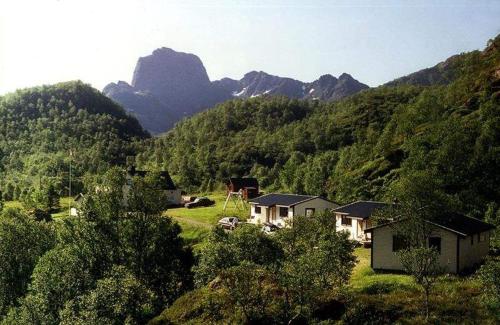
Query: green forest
x=432, y=136
x=42, y=129
x=445, y=130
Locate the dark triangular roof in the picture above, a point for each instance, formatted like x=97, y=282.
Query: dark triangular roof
x=361, y=209
x=462, y=224
x=455, y=222
x=165, y=179
x=78, y=198
x=281, y=199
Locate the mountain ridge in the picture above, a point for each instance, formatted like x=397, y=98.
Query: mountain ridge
x=168, y=85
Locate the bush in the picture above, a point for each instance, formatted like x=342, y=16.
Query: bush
x=365, y=313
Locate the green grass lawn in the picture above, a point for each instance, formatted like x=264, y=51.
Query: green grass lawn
x=63, y=210
x=197, y=222
x=363, y=275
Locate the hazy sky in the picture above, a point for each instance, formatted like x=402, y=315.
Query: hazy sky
x=99, y=41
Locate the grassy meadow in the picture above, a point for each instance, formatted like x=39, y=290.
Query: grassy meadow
x=62, y=211
x=197, y=222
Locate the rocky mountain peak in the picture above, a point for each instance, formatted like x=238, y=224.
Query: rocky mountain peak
x=168, y=85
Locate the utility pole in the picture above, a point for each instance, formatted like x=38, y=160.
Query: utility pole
x=69, y=200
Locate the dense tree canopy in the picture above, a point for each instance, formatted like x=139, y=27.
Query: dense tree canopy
x=118, y=260
x=40, y=126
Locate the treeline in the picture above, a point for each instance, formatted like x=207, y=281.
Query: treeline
x=43, y=128
x=447, y=132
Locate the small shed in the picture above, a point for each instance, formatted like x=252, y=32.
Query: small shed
x=249, y=186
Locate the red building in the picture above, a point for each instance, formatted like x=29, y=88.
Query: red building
x=248, y=185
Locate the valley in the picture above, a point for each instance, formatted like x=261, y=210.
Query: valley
x=381, y=204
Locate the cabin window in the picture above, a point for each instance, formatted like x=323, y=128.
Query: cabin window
x=345, y=221
x=283, y=212
x=398, y=243
x=309, y=212
x=257, y=210
x=435, y=242
x=482, y=237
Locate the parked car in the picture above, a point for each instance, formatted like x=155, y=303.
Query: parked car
x=269, y=228
x=229, y=222
x=201, y=201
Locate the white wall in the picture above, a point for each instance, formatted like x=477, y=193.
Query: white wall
x=349, y=229
x=282, y=221
x=174, y=196
x=257, y=218
x=318, y=204
x=473, y=254
x=385, y=258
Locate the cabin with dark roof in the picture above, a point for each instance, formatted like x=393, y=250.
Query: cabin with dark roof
x=462, y=243
x=356, y=217
x=174, y=194
x=248, y=186
x=279, y=209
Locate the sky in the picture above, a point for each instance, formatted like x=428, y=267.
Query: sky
x=99, y=41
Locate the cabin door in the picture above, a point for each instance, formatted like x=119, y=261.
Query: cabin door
x=272, y=216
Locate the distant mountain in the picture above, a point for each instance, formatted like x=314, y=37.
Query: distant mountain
x=142, y=104
x=169, y=85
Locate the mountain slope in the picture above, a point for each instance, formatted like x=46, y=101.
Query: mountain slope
x=40, y=126
x=359, y=147
x=141, y=104
x=168, y=86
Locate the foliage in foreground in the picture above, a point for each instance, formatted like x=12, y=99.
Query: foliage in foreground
x=247, y=276
x=118, y=262
x=489, y=275
x=23, y=241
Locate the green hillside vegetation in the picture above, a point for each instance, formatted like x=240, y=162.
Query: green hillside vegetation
x=116, y=263
x=39, y=126
x=431, y=138
x=446, y=131
x=368, y=298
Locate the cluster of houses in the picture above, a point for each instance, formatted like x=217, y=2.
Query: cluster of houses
x=462, y=242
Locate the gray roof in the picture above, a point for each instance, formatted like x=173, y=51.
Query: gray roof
x=461, y=224
x=454, y=222
x=361, y=209
x=281, y=199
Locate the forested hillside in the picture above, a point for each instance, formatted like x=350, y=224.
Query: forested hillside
x=441, y=129
x=40, y=126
